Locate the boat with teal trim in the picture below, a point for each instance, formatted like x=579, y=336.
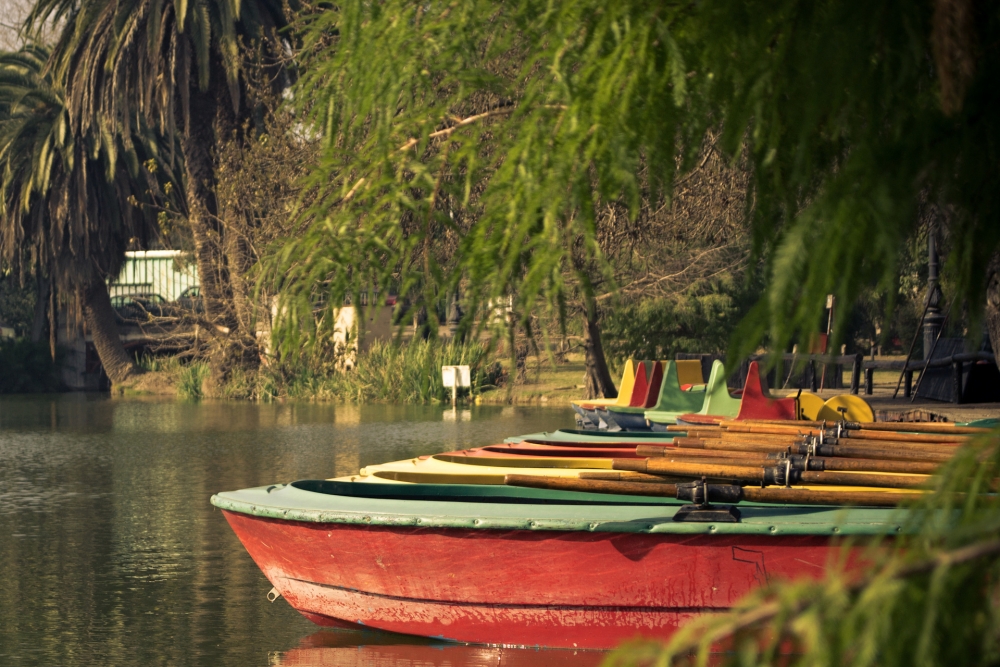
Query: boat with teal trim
x=521, y=566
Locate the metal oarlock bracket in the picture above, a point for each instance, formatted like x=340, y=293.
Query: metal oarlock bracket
x=701, y=511
x=273, y=595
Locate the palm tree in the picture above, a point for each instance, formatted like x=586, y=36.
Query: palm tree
x=69, y=205
x=177, y=66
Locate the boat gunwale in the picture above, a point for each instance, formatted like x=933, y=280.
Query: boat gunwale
x=758, y=519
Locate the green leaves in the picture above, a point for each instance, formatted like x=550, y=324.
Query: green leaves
x=840, y=119
x=477, y=140
x=65, y=199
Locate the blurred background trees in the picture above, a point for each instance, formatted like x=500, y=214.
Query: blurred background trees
x=640, y=175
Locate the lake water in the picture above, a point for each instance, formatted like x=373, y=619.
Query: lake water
x=110, y=553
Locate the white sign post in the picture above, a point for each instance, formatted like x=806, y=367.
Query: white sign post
x=455, y=377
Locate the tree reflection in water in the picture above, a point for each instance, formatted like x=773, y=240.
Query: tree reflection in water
x=110, y=553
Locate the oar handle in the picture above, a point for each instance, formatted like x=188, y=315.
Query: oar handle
x=778, y=475
x=592, y=485
x=717, y=493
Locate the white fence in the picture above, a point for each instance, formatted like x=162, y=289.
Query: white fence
x=164, y=272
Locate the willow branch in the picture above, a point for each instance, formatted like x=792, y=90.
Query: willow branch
x=461, y=123
x=648, y=282
x=770, y=610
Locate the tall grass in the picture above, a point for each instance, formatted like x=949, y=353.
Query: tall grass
x=412, y=373
x=385, y=373
x=188, y=377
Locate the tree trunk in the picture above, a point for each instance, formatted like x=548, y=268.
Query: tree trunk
x=238, y=262
x=41, y=308
x=993, y=305
x=197, y=143
x=100, y=318
x=222, y=255
x=598, y=379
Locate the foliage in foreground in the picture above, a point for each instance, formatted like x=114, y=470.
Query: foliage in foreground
x=384, y=373
x=510, y=126
x=931, y=597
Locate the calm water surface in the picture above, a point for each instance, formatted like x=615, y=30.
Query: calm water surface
x=110, y=553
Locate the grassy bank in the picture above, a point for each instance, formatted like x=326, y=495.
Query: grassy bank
x=384, y=373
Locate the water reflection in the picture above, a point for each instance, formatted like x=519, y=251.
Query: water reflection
x=111, y=553
x=352, y=648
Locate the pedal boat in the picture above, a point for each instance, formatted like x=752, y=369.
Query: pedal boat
x=523, y=567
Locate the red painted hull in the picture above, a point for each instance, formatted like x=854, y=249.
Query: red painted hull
x=517, y=587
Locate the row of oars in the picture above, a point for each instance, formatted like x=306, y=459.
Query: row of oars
x=765, y=460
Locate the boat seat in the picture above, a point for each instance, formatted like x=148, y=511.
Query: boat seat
x=624, y=391
x=673, y=400
x=757, y=402
x=689, y=372
x=713, y=397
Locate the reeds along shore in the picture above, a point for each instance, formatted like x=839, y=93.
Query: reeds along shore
x=780, y=462
x=385, y=372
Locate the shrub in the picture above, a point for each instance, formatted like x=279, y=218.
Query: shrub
x=27, y=367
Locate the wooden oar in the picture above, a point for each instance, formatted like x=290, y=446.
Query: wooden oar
x=828, y=436
x=592, y=485
x=783, y=441
x=754, y=439
x=811, y=497
x=836, y=463
x=655, y=450
x=684, y=428
x=848, y=451
x=777, y=475
x=777, y=430
x=692, y=430
x=751, y=494
x=627, y=477
x=816, y=463
x=873, y=434
x=898, y=427
x=780, y=422
x=917, y=427
x=928, y=446
x=772, y=429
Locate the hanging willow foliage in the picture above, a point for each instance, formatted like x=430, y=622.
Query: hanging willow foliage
x=472, y=143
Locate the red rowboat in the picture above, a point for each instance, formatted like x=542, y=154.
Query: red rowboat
x=525, y=567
